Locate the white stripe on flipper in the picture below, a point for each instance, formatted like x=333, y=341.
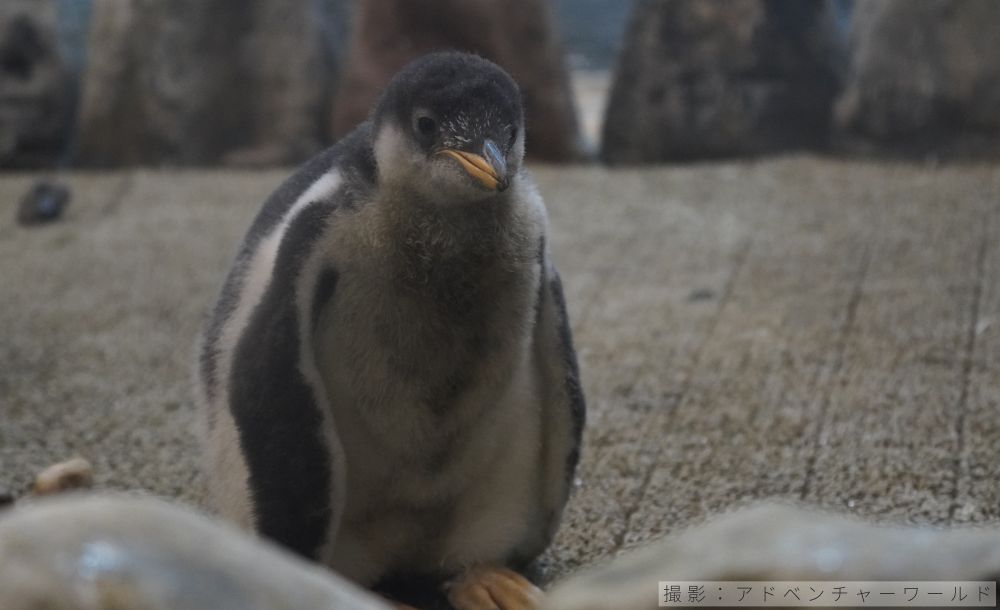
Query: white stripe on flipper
x=257, y=276
x=226, y=463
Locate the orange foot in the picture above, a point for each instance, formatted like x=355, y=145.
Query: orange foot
x=493, y=588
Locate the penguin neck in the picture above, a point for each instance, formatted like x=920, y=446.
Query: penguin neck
x=467, y=242
x=434, y=232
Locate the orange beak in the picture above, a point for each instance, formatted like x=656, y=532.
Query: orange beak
x=477, y=167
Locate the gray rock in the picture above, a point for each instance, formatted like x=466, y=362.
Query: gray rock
x=783, y=543
x=130, y=553
x=721, y=78
x=76, y=552
x=36, y=88
x=518, y=35
x=200, y=81
x=45, y=203
x=924, y=79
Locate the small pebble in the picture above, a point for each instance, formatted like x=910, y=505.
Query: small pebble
x=44, y=203
x=64, y=476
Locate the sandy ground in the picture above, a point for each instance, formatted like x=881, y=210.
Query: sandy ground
x=797, y=328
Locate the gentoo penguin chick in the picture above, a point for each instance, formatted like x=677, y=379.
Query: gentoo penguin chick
x=388, y=376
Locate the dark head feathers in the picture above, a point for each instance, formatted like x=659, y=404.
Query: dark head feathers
x=450, y=84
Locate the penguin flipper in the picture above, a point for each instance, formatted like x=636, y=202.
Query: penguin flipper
x=278, y=400
x=564, y=407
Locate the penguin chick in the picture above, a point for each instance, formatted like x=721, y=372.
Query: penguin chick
x=388, y=376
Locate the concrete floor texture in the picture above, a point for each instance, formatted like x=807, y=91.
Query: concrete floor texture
x=802, y=328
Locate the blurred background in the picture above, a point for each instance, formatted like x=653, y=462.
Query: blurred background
x=112, y=83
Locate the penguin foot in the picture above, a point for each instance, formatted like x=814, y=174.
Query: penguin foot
x=493, y=588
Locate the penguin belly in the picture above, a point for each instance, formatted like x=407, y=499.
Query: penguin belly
x=441, y=439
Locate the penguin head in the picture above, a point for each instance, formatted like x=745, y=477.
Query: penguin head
x=450, y=128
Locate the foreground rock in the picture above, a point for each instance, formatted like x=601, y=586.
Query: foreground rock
x=518, y=35
x=87, y=553
x=36, y=87
x=924, y=79
x=721, y=78
x=783, y=543
x=90, y=553
x=202, y=81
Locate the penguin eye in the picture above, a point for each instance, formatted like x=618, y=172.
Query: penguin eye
x=426, y=126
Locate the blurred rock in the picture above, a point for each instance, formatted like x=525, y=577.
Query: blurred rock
x=127, y=553
x=702, y=79
x=36, y=93
x=192, y=81
x=782, y=543
x=518, y=35
x=924, y=79
x=44, y=203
